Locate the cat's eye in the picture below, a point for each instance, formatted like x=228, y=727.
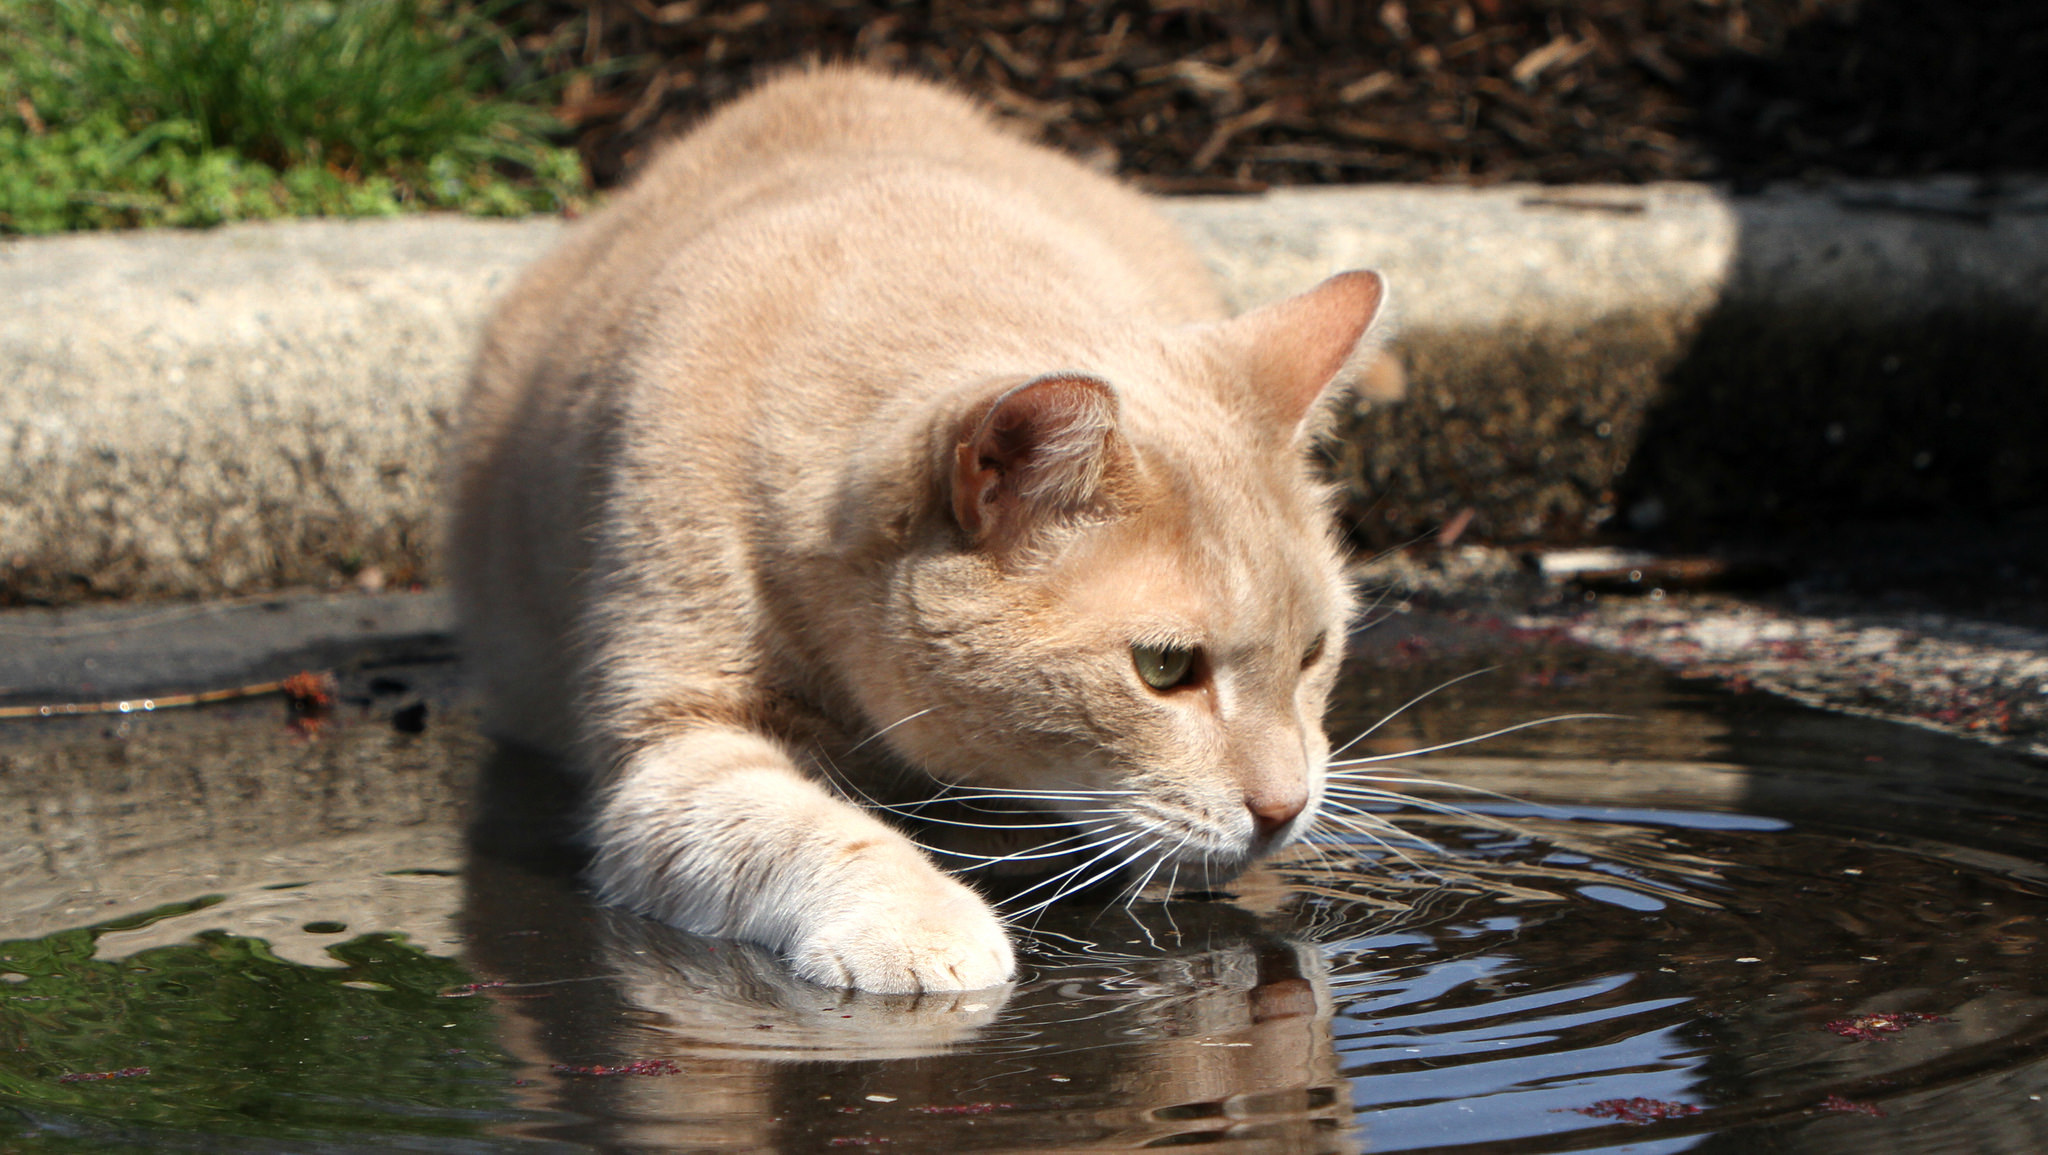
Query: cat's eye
x=1164, y=667
x=1314, y=653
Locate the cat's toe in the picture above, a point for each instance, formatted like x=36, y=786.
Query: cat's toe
x=946, y=946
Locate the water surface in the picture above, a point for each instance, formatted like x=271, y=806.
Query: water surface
x=1720, y=924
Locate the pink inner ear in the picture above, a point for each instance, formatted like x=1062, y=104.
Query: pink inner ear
x=1039, y=448
x=1299, y=345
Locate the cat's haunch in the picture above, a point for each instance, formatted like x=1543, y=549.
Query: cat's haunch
x=864, y=473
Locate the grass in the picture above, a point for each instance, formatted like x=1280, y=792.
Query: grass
x=122, y=113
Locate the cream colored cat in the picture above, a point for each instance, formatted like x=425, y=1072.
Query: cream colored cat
x=857, y=439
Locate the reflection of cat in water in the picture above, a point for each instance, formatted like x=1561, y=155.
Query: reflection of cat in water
x=1198, y=1020
x=859, y=438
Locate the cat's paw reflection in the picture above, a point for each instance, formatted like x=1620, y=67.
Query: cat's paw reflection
x=726, y=995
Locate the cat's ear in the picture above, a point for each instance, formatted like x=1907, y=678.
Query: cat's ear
x=1039, y=450
x=1300, y=349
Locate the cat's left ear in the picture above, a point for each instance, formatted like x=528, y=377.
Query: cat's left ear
x=1299, y=350
x=1035, y=452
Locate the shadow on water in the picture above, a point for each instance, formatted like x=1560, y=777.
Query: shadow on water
x=1723, y=924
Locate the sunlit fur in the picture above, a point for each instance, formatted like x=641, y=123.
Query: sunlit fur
x=860, y=439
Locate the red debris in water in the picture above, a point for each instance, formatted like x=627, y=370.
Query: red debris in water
x=1878, y=1026
x=964, y=1109
x=101, y=1076
x=310, y=692
x=470, y=989
x=636, y=1067
x=309, y=698
x=1638, y=1110
x=1842, y=1106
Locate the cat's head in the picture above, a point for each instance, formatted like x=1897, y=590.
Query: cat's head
x=1129, y=608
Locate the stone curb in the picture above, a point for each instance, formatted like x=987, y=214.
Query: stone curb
x=261, y=406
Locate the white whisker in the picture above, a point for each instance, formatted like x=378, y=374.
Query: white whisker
x=1365, y=619
x=1355, y=815
x=1398, y=799
x=1426, y=694
x=1348, y=787
x=891, y=726
x=1139, y=888
x=1115, y=845
x=1058, y=824
x=1020, y=794
x=1476, y=738
x=1098, y=876
x=1055, y=849
x=1364, y=832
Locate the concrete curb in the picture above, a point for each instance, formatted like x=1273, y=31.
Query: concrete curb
x=262, y=406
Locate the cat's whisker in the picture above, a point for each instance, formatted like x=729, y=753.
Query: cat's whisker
x=959, y=788
x=1172, y=887
x=1114, y=845
x=916, y=810
x=1474, y=817
x=1366, y=832
x=1056, y=849
x=1061, y=881
x=1357, y=815
x=907, y=718
x=1351, y=562
x=1452, y=811
x=970, y=806
x=839, y=781
x=1075, y=888
x=1359, y=819
x=1348, y=762
x=1308, y=841
x=1365, y=619
x=1126, y=895
x=1158, y=861
x=1349, y=798
x=1347, y=787
x=1057, y=824
x=1403, y=707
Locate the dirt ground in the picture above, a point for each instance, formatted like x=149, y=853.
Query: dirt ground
x=1239, y=95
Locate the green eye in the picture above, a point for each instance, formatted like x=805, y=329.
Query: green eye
x=1164, y=667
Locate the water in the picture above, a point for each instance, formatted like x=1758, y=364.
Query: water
x=1721, y=924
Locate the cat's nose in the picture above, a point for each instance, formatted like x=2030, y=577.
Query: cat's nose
x=1270, y=815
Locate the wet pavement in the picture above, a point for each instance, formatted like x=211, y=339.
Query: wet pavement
x=1938, y=636
x=1718, y=922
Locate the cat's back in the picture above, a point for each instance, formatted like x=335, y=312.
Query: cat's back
x=903, y=179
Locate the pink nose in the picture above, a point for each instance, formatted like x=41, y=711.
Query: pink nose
x=1271, y=815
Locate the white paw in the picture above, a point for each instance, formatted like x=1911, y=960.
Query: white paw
x=939, y=936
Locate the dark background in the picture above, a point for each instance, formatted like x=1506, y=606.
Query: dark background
x=1221, y=95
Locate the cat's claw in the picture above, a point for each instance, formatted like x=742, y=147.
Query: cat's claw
x=944, y=941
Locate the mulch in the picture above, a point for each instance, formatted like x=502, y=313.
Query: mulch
x=1240, y=95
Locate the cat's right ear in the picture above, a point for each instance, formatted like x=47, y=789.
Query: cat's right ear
x=1302, y=349
x=1038, y=451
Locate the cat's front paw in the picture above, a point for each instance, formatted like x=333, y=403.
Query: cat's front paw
x=937, y=937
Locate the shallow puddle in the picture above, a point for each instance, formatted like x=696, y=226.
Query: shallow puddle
x=1721, y=923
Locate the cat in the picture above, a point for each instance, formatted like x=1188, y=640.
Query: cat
x=860, y=438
